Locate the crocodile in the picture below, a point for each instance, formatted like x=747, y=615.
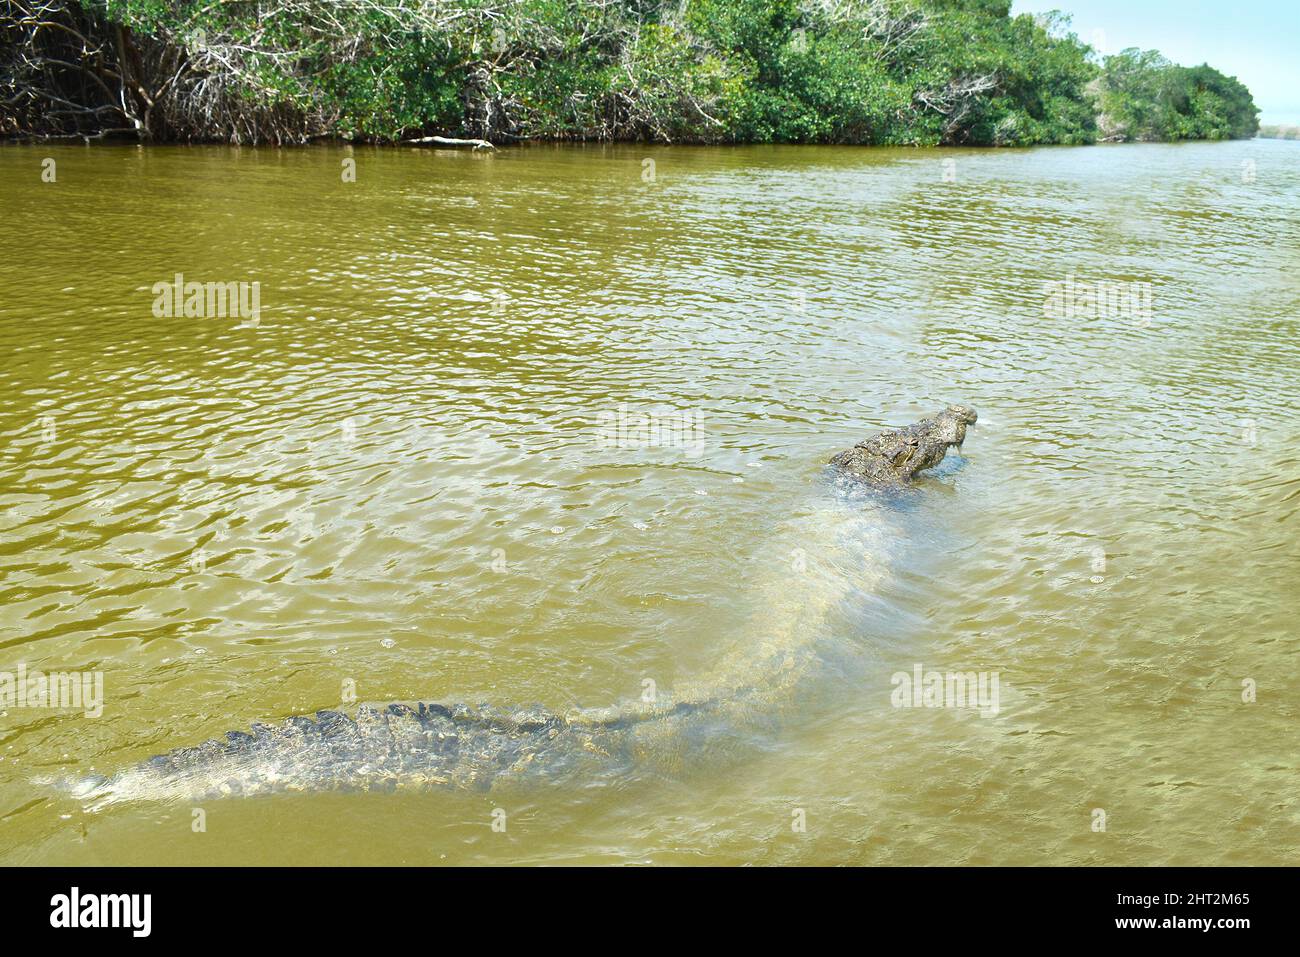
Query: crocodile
x=892, y=459
x=424, y=746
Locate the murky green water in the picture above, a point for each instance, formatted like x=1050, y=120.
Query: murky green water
x=400, y=478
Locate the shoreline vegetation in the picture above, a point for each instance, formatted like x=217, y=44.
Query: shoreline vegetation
x=1280, y=131
x=482, y=72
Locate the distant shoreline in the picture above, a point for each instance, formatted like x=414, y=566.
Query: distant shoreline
x=1279, y=131
x=338, y=141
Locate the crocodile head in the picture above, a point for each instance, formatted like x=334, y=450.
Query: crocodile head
x=952, y=423
x=892, y=458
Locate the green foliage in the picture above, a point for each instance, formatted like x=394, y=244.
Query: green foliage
x=853, y=71
x=1142, y=96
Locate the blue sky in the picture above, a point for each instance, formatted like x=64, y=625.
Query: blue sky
x=1257, y=41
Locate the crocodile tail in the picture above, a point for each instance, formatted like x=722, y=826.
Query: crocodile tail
x=400, y=746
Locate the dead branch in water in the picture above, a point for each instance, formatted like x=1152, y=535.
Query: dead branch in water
x=452, y=141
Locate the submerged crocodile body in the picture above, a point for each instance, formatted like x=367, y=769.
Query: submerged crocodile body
x=892, y=459
x=396, y=747
x=431, y=746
